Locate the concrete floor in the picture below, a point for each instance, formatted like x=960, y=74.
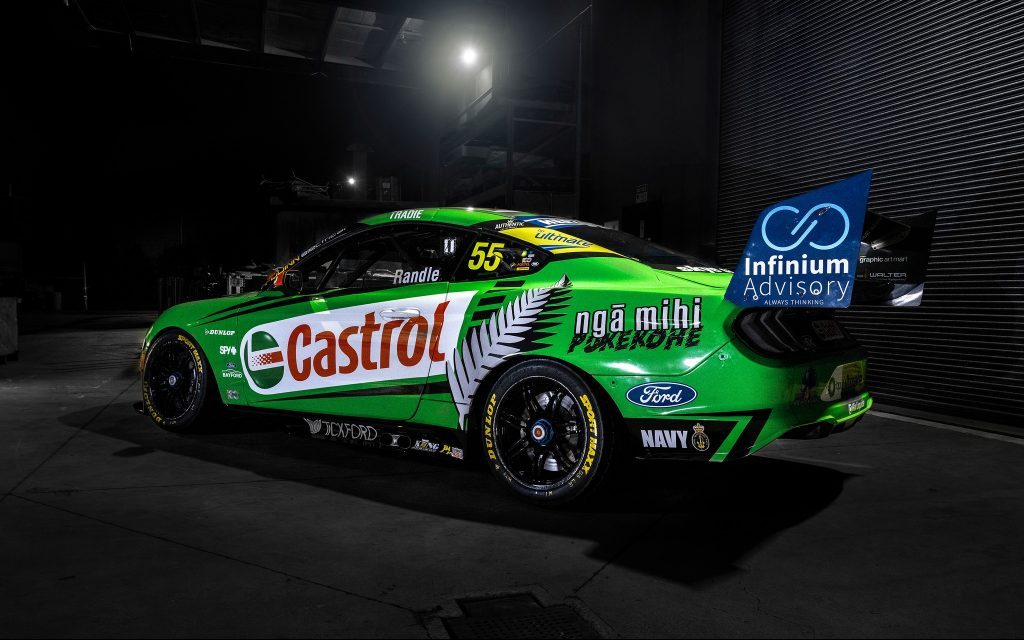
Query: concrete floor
x=111, y=527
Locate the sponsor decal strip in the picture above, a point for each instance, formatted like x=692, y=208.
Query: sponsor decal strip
x=407, y=214
x=322, y=243
x=661, y=394
x=674, y=323
x=676, y=438
x=846, y=380
x=692, y=438
x=379, y=435
x=353, y=345
x=388, y=390
x=557, y=242
x=730, y=434
x=591, y=454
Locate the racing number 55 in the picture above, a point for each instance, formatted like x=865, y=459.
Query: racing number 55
x=485, y=255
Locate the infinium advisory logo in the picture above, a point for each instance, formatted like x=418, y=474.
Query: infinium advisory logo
x=803, y=251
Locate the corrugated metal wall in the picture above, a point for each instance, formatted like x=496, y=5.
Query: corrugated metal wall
x=931, y=96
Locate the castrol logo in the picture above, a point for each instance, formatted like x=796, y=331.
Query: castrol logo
x=354, y=345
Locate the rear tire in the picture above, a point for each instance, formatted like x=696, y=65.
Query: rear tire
x=177, y=388
x=544, y=434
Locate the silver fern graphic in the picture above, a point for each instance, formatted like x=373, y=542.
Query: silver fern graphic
x=495, y=339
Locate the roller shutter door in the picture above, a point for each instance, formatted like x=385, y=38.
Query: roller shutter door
x=931, y=96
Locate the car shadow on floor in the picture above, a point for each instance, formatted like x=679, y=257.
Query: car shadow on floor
x=686, y=522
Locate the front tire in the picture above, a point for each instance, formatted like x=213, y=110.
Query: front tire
x=176, y=383
x=544, y=434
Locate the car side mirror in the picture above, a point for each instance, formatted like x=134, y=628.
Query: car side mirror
x=292, y=281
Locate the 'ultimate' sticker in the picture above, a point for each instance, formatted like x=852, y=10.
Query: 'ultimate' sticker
x=555, y=240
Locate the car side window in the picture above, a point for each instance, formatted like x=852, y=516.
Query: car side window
x=393, y=257
x=314, y=268
x=362, y=264
x=493, y=256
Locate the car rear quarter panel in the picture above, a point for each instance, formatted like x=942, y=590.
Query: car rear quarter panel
x=599, y=326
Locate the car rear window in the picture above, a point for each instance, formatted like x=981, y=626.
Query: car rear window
x=639, y=249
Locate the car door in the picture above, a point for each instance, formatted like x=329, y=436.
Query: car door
x=369, y=321
x=491, y=274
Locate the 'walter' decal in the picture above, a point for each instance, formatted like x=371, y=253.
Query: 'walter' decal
x=352, y=345
x=495, y=339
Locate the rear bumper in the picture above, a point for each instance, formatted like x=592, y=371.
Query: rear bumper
x=722, y=436
x=842, y=417
x=742, y=405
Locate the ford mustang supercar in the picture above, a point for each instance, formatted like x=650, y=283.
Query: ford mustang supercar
x=541, y=344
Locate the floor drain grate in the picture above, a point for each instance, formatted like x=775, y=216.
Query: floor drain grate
x=518, y=616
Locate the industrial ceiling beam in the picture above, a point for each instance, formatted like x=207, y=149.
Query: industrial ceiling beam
x=384, y=39
x=195, y=22
x=130, y=25
x=328, y=34
x=85, y=18
x=263, y=27
x=486, y=13
x=159, y=48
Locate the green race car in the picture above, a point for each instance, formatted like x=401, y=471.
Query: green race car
x=548, y=346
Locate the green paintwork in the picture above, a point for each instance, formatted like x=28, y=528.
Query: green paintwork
x=727, y=377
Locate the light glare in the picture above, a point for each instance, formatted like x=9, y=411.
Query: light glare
x=469, y=56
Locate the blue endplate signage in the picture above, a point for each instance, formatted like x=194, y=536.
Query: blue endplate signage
x=803, y=251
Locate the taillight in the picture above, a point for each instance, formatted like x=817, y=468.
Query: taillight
x=791, y=333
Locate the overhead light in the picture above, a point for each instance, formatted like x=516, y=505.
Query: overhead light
x=351, y=180
x=469, y=56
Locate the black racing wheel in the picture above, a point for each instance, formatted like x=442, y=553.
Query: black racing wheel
x=176, y=382
x=544, y=434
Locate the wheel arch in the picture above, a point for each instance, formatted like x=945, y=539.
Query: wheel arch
x=604, y=399
x=211, y=379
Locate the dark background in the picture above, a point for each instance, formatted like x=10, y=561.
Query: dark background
x=142, y=159
x=135, y=147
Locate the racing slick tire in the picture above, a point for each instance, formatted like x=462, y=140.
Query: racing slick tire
x=178, y=392
x=544, y=433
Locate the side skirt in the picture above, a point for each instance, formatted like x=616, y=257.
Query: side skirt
x=392, y=435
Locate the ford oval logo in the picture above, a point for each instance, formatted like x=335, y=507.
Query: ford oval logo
x=661, y=394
